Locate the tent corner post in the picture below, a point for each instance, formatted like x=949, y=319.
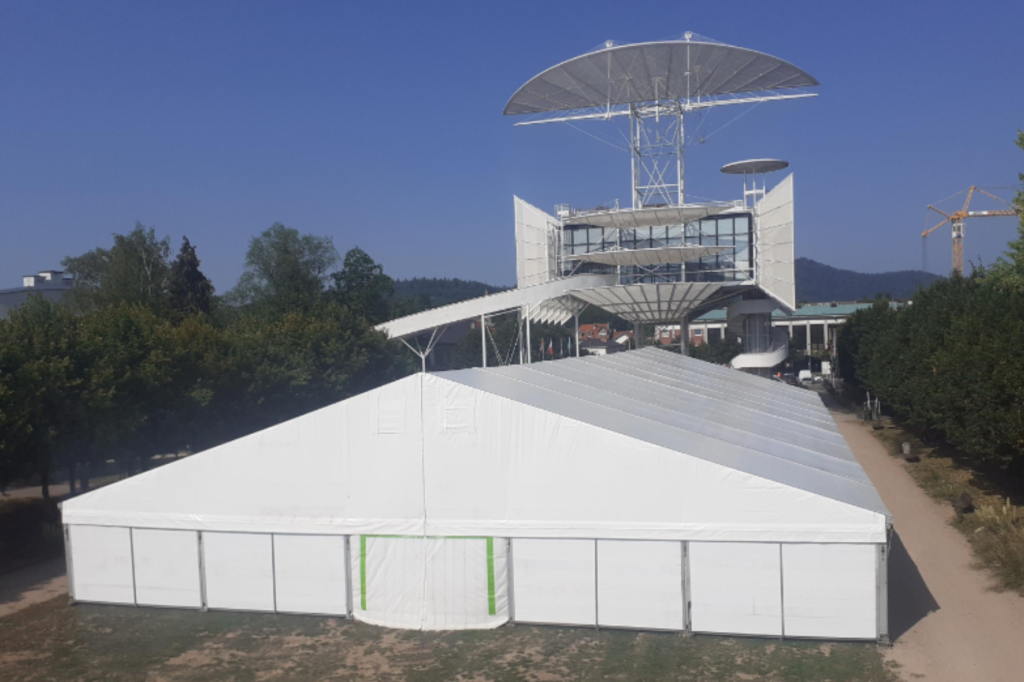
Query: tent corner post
x=882, y=591
x=69, y=564
x=202, y=571
x=597, y=596
x=131, y=554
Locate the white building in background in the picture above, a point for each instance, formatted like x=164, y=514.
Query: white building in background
x=50, y=284
x=811, y=326
x=641, y=489
x=660, y=257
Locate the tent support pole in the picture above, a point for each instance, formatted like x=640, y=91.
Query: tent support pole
x=348, y=576
x=510, y=580
x=273, y=569
x=782, y=598
x=687, y=617
x=70, y=565
x=597, y=601
x=131, y=552
x=202, y=571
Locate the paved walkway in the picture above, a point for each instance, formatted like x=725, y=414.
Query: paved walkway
x=946, y=622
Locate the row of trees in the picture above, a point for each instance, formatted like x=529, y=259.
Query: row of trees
x=952, y=362
x=144, y=359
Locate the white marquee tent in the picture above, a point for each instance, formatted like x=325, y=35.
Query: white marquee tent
x=639, y=490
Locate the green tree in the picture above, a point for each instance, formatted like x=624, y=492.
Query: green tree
x=135, y=270
x=718, y=352
x=285, y=271
x=362, y=286
x=298, y=362
x=1008, y=271
x=189, y=291
x=41, y=386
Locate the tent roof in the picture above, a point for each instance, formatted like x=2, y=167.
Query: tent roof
x=764, y=428
x=641, y=444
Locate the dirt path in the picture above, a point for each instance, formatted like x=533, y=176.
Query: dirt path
x=32, y=585
x=947, y=623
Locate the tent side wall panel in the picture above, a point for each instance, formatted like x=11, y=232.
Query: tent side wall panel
x=554, y=581
x=239, y=571
x=466, y=585
x=309, y=574
x=830, y=591
x=735, y=588
x=102, y=560
x=640, y=584
x=167, y=567
x=429, y=583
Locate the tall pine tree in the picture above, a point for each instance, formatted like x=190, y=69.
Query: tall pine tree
x=189, y=290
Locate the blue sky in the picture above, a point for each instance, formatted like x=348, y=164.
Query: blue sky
x=380, y=124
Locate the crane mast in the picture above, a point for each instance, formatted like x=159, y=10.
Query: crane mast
x=956, y=221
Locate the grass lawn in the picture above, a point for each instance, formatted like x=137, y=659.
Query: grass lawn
x=54, y=641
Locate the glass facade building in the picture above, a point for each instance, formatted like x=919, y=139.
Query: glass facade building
x=732, y=230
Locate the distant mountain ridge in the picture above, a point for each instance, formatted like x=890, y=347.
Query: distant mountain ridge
x=818, y=283
x=815, y=283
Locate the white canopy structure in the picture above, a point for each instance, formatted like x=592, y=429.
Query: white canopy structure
x=690, y=68
x=642, y=490
x=650, y=216
x=648, y=257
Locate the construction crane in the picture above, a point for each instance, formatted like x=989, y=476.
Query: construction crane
x=956, y=219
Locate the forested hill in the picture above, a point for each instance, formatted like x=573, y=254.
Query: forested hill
x=817, y=283
x=442, y=291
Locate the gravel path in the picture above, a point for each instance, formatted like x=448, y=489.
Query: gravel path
x=946, y=622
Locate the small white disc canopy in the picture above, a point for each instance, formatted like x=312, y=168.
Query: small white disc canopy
x=752, y=166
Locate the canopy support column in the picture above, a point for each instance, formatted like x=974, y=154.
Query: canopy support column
x=576, y=317
x=684, y=336
x=435, y=336
x=483, y=341
x=529, y=347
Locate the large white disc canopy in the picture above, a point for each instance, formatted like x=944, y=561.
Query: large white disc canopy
x=649, y=72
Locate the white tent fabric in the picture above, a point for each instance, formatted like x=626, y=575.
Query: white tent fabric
x=559, y=449
x=166, y=566
x=431, y=583
x=399, y=505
